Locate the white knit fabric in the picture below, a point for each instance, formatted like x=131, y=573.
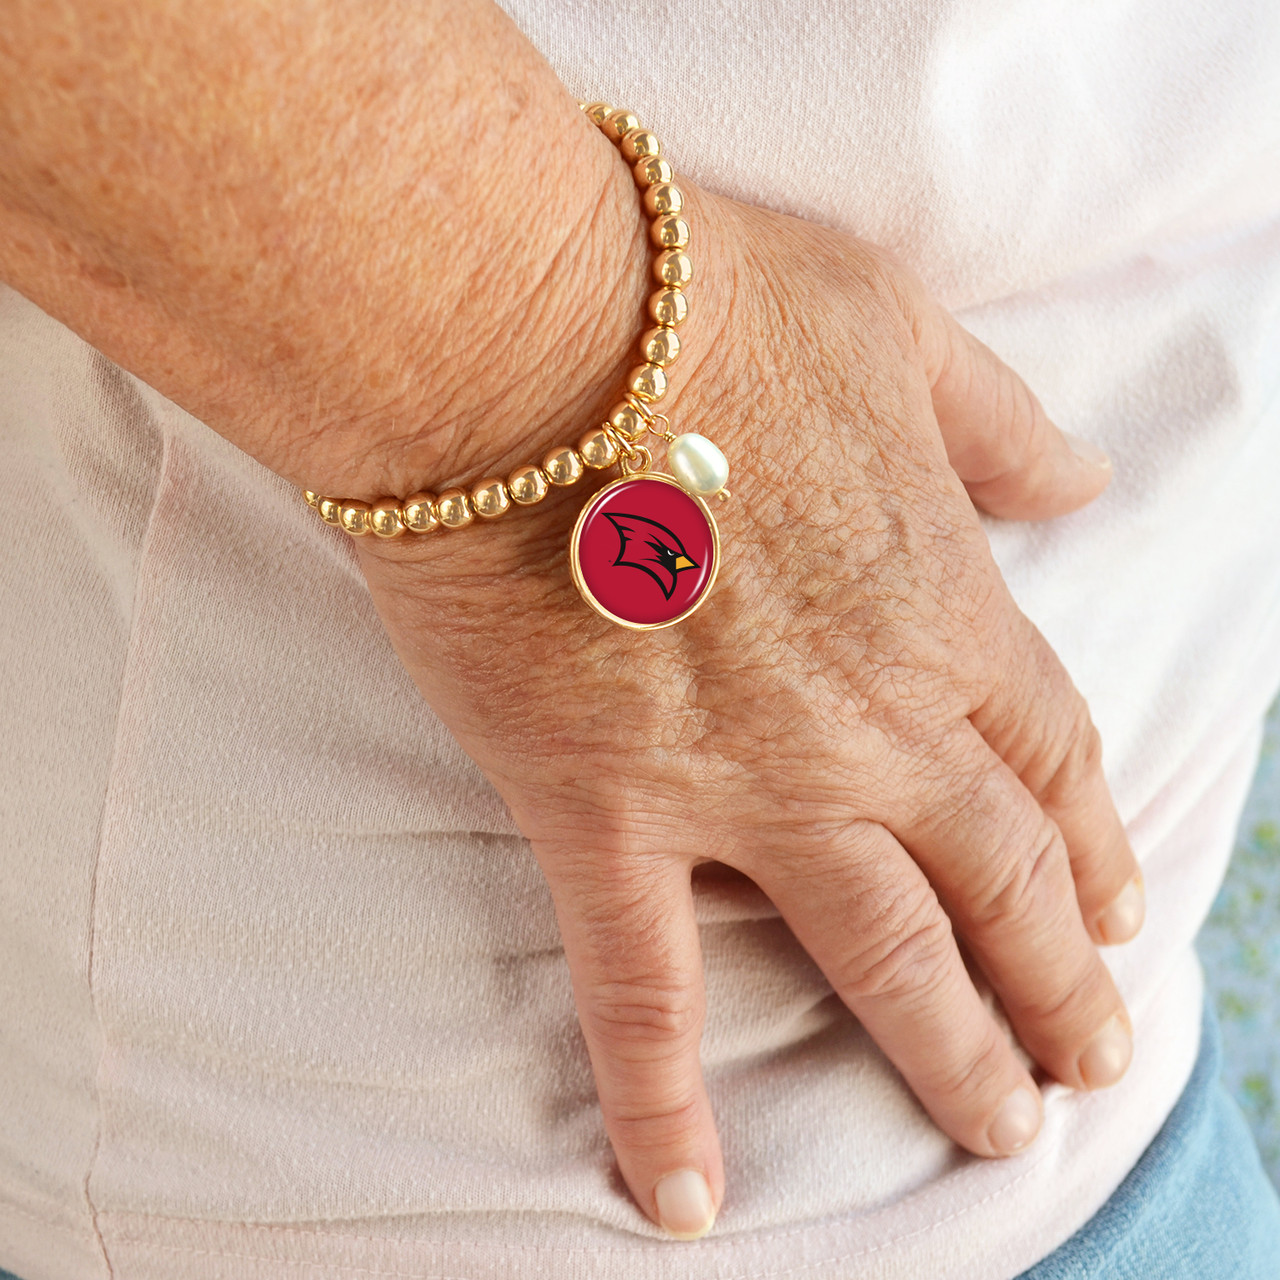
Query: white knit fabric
x=281, y=992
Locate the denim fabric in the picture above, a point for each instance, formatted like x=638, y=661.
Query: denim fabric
x=1198, y=1205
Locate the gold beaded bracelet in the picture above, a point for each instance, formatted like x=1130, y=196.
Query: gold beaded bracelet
x=645, y=550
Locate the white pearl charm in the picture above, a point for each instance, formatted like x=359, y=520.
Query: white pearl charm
x=697, y=464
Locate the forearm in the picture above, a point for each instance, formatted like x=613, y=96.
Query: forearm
x=296, y=221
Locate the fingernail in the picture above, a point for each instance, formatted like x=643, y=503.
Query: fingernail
x=1016, y=1123
x=1086, y=450
x=1107, y=1058
x=684, y=1201
x=1123, y=918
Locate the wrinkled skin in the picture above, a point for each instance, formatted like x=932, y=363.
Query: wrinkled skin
x=859, y=718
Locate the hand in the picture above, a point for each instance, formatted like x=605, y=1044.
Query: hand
x=859, y=719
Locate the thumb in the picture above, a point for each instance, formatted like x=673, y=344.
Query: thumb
x=631, y=939
x=1000, y=442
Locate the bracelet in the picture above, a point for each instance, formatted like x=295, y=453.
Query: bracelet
x=645, y=550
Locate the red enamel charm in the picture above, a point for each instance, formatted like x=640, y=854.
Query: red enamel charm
x=645, y=552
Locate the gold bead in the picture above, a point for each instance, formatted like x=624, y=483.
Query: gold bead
x=527, y=485
x=660, y=345
x=490, y=498
x=355, y=517
x=330, y=510
x=563, y=465
x=454, y=509
x=668, y=306
x=598, y=112
x=618, y=124
x=671, y=232
x=419, y=513
x=674, y=268
x=653, y=169
x=385, y=519
x=663, y=198
x=312, y=498
x=598, y=449
x=628, y=421
x=648, y=382
x=639, y=144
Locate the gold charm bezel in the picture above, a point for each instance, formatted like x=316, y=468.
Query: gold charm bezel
x=575, y=568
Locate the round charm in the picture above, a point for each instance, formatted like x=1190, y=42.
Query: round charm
x=645, y=553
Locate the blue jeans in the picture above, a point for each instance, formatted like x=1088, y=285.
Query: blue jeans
x=1197, y=1206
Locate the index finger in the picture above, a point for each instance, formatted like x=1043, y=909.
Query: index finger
x=631, y=938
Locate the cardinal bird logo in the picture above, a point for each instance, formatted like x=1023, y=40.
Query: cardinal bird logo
x=651, y=547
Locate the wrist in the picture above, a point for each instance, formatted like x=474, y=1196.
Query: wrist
x=535, y=344
x=387, y=261
x=561, y=403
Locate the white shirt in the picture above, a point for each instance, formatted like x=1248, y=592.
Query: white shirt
x=281, y=991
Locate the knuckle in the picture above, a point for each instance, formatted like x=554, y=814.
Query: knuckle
x=880, y=271
x=638, y=1021
x=662, y=1124
x=1069, y=1007
x=820, y=848
x=965, y=1083
x=1014, y=413
x=1024, y=884
x=909, y=958
x=1073, y=764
